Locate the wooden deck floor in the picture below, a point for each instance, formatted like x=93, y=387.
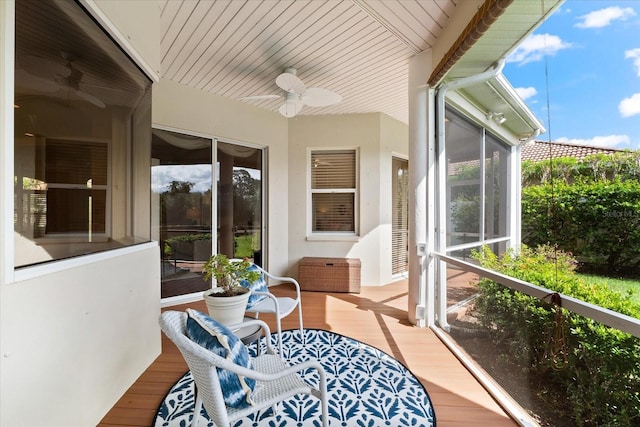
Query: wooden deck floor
x=376, y=316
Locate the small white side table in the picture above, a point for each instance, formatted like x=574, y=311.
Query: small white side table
x=249, y=334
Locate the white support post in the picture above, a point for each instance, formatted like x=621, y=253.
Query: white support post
x=419, y=68
x=7, y=55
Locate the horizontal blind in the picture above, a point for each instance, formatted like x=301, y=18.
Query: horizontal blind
x=333, y=169
x=72, y=211
x=76, y=162
x=400, y=216
x=333, y=211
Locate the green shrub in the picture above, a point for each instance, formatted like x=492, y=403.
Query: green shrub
x=624, y=166
x=188, y=238
x=590, y=371
x=597, y=221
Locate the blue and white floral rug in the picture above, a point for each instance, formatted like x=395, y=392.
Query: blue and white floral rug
x=366, y=388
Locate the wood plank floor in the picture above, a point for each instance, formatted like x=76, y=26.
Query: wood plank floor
x=376, y=316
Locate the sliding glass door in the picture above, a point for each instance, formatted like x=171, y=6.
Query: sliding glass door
x=183, y=220
x=181, y=176
x=239, y=213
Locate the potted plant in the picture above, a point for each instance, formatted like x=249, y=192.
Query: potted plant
x=228, y=300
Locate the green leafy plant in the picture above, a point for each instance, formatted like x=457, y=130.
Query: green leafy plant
x=592, y=372
x=228, y=274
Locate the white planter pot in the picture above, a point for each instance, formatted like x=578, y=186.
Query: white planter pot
x=226, y=310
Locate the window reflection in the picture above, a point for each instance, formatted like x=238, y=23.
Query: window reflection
x=80, y=106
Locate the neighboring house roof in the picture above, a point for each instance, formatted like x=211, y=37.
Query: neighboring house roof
x=541, y=150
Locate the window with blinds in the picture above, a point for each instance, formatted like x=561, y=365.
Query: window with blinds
x=76, y=177
x=400, y=215
x=333, y=190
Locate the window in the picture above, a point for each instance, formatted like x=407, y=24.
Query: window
x=333, y=191
x=399, y=215
x=82, y=137
x=477, y=186
x=76, y=177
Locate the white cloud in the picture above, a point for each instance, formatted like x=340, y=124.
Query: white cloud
x=198, y=175
x=630, y=106
x=526, y=92
x=603, y=17
x=609, y=141
x=534, y=47
x=635, y=55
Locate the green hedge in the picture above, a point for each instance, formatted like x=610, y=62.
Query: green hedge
x=624, y=165
x=188, y=238
x=591, y=208
x=589, y=372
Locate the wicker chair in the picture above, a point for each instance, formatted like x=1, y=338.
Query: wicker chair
x=276, y=380
x=281, y=307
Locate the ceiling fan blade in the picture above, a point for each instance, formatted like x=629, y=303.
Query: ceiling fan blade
x=28, y=80
x=291, y=108
x=43, y=67
x=259, y=97
x=92, y=99
x=318, y=97
x=290, y=83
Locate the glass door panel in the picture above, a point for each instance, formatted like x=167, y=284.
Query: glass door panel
x=239, y=213
x=182, y=187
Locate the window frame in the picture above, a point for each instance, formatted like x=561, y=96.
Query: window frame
x=347, y=235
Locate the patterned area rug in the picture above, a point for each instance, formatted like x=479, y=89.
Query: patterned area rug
x=366, y=388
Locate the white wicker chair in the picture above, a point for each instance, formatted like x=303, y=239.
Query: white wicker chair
x=275, y=379
x=280, y=306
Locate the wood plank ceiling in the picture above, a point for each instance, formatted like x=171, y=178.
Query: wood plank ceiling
x=357, y=48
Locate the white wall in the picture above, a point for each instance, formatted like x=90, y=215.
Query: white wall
x=189, y=110
x=74, y=334
x=377, y=137
x=74, y=340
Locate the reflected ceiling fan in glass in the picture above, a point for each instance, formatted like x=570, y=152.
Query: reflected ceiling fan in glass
x=50, y=76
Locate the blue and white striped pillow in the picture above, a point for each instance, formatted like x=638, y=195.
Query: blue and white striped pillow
x=259, y=285
x=219, y=339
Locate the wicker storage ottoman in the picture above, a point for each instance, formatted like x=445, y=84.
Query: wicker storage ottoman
x=329, y=274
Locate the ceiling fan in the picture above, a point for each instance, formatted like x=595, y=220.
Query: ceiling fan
x=297, y=95
x=51, y=76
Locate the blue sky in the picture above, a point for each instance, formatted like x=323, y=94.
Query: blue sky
x=583, y=63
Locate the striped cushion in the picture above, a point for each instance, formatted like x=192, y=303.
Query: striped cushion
x=219, y=339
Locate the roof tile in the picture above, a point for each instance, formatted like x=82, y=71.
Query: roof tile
x=542, y=150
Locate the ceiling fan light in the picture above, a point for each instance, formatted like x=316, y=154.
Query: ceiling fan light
x=291, y=107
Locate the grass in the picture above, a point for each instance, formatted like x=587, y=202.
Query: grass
x=623, y=286
x=244, y=246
